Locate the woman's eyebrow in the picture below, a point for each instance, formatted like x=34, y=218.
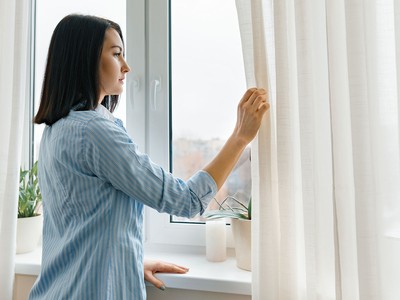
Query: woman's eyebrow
x=116, y=46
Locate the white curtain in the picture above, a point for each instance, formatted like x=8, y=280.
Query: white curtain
x=326, y=162
x=14, y=42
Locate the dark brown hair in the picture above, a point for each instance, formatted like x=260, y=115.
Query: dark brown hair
x=71, y=77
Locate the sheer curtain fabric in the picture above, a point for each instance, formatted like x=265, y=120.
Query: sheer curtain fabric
x=14, y=16
x=325, y=165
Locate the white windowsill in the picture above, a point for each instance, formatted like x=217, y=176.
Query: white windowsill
x=222, y=277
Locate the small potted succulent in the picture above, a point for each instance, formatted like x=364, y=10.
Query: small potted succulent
x=240, y=213
x=29, y=223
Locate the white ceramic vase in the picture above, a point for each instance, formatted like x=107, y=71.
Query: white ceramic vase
x=242, y=237
x=29, y=231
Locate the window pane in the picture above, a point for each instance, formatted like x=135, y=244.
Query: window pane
x=48, y=14
x=207, y=83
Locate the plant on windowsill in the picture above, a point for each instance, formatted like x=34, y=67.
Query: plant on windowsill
x=29, y=223
x=225, y=210
x=241, y=227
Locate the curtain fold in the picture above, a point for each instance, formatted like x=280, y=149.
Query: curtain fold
x=14, y=51
x=325, y=163
x=264, y=172
x=342, y=150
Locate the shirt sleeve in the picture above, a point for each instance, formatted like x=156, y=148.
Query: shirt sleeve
x=112, y=156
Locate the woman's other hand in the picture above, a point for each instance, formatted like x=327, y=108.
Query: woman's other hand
x=151, y=267
x=250, y=112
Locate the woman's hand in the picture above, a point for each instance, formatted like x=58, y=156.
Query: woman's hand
x=151, y=267
x=250, y=112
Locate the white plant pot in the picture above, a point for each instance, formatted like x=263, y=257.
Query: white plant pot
x=29, y=231
x=242, y=236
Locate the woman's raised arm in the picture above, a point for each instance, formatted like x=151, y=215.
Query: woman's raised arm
x=251, y=110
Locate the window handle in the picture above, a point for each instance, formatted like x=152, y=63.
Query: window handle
x=155, y=87
x=134, y=87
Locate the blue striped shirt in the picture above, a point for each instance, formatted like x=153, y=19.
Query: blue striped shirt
x=94, y=183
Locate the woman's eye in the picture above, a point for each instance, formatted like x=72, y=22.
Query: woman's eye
x=117, y=54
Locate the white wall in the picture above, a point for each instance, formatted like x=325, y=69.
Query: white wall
x=23, y=284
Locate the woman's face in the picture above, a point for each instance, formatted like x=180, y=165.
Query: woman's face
x=113, y=66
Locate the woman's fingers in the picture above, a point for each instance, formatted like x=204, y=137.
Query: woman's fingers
x=149, y=276
x=152, y=267
x=258, y=94
x=253, y=99
x=259, y=102
x=263, y=107
x=247, y=95
x=250, y=113
x=171, y=268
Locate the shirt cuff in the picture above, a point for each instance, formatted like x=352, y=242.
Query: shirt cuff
x=204, y=186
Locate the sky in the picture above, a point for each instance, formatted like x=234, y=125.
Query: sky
x=207, y=68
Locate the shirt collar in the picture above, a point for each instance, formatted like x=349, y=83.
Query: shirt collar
x=105, y=112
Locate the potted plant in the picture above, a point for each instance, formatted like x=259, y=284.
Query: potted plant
x=29, y=223
x=241, y=227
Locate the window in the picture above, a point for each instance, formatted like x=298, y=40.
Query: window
x=207, y=80
x=192, y=78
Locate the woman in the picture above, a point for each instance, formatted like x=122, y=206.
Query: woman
x=93, y=179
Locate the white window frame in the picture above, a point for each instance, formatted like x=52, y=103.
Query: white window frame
x=148, y=116
x=27, y=153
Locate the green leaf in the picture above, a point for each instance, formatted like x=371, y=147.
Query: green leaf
x=249, y=209
x=218, y=214
x=30, y=197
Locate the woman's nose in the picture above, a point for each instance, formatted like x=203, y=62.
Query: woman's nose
x=125, y=67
